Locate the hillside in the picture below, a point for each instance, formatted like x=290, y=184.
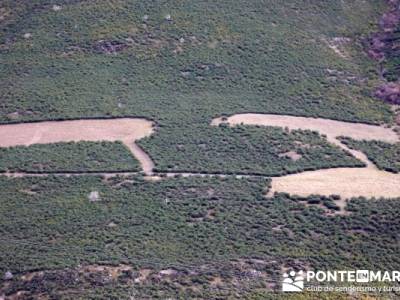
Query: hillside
x=148, y=148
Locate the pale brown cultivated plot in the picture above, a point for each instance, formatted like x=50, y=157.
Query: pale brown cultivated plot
x=346, y=182
x=126, y=130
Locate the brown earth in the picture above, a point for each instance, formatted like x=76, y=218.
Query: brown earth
x=346, y=182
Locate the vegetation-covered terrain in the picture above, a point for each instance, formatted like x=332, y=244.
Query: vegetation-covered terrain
x=68, y=157
x=126, y=58
x=384, y=155
x=116, y=58
x=192, y=234
x=269, y=151
x=181, y=64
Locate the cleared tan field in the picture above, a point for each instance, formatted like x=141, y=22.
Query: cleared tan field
x=346, y=182
x=126, y=130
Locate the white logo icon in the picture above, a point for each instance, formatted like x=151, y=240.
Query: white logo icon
x=362, y=276
x=293, y=282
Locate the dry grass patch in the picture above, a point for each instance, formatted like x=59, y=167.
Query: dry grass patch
x=346, y=182
x=126, y=130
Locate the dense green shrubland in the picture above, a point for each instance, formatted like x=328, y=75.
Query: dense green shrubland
x=244, y=149
x=102, y=59
x=184, y=224
x=236, y=56
x=68, y=157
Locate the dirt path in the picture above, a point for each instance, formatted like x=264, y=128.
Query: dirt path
x=145, y=160
x=346, y=182
x=126, y=130
x=154, y=176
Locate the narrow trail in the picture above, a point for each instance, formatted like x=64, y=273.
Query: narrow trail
x=153, y=176
x=145, y=160
x=357, y=154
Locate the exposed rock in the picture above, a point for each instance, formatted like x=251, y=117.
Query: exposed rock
x=185, y=73
x=110, y=47
x=376, y=48
x=112, y=224
x=13, y=116
x=383, y=40
x=57, y=7
x=384, y=45
x=168, y=272
x=94, y=196
x=178, y=50
x=8, y=275
x=389, y=92
x=291, y=154
x=338, y=44
x=390, y=20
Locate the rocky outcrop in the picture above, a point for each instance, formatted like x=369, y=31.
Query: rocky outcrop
x=384, y=47
x=389, y=92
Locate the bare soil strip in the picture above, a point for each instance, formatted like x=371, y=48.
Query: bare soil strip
x=144, y=159
x=346, y=182
x=155, y=176
x=126, y=130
